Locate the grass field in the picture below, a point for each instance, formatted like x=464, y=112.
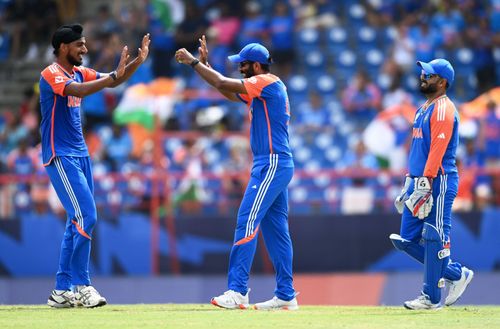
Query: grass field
x=187, y=316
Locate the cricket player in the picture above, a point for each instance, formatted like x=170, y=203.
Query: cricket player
x=63, y=84
x=265, y=203
x=429, y=190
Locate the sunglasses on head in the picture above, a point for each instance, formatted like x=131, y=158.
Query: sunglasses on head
x=426, y=75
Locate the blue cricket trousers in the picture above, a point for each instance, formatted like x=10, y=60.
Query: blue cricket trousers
x=73, y=183
x=264, y=207
x=444, y=191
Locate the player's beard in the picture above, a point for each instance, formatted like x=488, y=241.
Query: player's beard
x=248, y=73
x=428, y=88
x=73, y=60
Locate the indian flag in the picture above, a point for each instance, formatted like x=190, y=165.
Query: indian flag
x=142, y=103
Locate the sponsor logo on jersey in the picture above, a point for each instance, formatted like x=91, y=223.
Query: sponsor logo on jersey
x=74, y=101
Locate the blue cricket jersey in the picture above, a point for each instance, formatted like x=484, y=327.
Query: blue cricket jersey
x=435, y=139
x=269, y=111
x=61, y=125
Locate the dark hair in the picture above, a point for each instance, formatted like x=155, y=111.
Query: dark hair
x=265, y=67
x=66, y=34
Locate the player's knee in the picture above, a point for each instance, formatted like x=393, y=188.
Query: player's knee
x=430, y=233
x=398, y=242
x=434, y=243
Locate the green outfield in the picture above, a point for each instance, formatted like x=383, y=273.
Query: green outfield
x=187, y=316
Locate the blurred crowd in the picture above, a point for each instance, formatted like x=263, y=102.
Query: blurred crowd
x=352, y=79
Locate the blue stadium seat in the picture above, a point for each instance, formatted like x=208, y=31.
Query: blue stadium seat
x=496, y=56
x=298, y=87
x=336, y=41
x=388, y=35
x=356, y=16
x=324, y=85
x=410, y=83
x=463, y=62
x=315, y=63
x=323, y=141
x=366, y=38
x=373, y=59
x=345, y=66
x=307, y=40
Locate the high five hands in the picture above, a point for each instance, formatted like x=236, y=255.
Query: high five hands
x=142, y=55
x=183, y=56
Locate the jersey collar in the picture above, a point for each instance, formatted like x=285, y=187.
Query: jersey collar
x=429, y=102
x=69, y=75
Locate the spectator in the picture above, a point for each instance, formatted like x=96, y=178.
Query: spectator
x=312, y=115
x=118, y=147
x=191, y=28
x=191, y=190
x=426, y=40
x=361, y=100
x=11, y=133
x=253, y=27
x=403, y=48
x=281, y=28
x=450, y=22
x=490, y=134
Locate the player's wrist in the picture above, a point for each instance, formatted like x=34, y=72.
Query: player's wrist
x=113, y=75
x=194, y=62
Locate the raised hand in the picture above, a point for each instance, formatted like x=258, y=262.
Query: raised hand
x=144, y=50
x=203, y=50
x=120, y=70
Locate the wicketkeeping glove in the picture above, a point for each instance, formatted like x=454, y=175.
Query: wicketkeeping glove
x=420, y=201
x=399, y=203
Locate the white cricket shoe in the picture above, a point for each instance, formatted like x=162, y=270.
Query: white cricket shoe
x=458, y=287
x=62, y=299
x=89, y=297
x=278, y=304
x=231, y=299
x=422, y=302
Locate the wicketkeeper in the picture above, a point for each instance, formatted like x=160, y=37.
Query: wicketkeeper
x=429, y=190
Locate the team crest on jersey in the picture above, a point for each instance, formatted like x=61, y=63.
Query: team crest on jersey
x=416, y=117
x=252, y=80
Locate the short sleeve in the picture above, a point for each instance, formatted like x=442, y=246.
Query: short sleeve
x=88, y=74
x=56, y=79
x=256, y=84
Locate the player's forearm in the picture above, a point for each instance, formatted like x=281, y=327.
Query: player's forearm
x=223, y=84
x=130, y=68
x=229, y=95
x=87, y=88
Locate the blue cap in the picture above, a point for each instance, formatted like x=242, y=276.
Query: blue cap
x=440, y=67
x=253, y=52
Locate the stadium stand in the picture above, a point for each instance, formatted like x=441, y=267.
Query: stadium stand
x=332, y=41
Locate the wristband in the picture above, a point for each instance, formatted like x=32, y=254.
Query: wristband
x=194, y=62
x=113, y=75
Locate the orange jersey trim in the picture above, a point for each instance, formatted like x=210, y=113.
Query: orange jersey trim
x=269, y=134
x=441, y=127
x=52, y=146
x=256, y=84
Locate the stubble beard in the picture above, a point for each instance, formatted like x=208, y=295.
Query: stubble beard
x=428, y=89
x=73, y=61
